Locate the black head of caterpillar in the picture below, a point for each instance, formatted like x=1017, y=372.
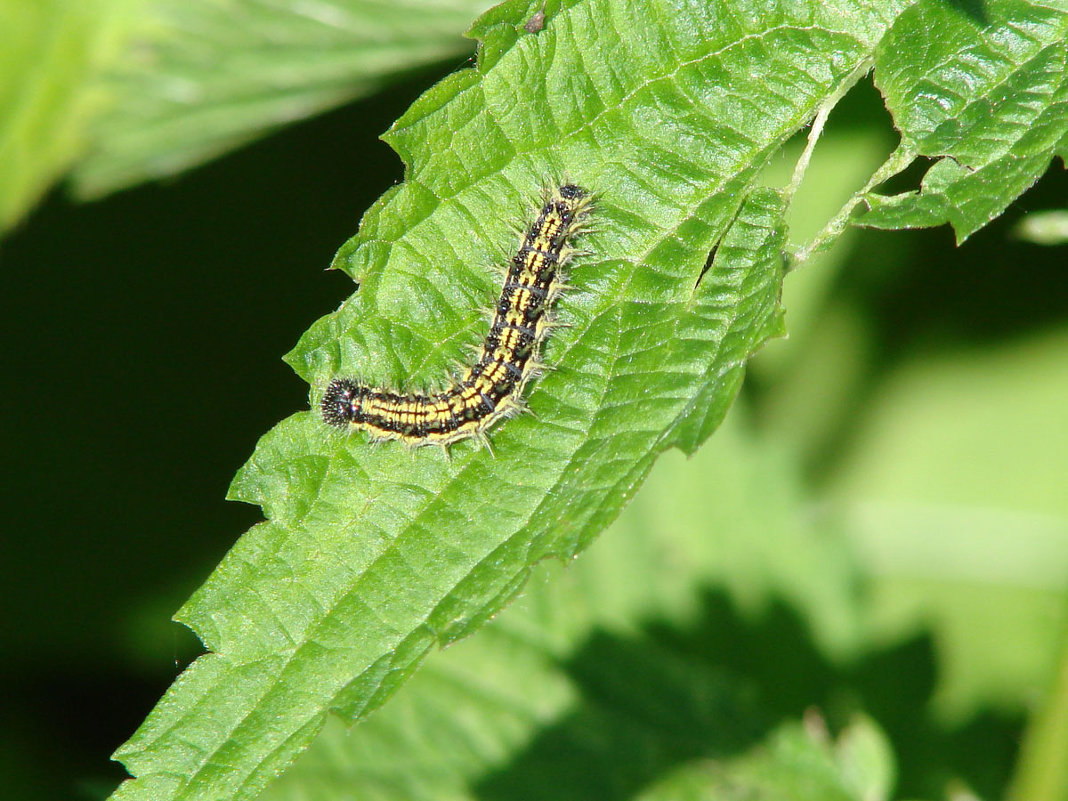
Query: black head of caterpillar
x=491, y=388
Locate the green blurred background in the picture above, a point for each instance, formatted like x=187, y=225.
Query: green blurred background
x=913, y=425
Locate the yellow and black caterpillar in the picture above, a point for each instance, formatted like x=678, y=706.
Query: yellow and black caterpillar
x=492, y=387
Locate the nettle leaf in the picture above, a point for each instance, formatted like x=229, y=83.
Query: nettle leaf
x=987, y=96
x=371, y=556
x=631, y=672
x=51, y=57
x=206, y=76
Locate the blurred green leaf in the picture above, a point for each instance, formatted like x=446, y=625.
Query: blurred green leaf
x=208, y=75
x=954, y=532
x=792, y=765
x=130, y=90
x=51, y=55
x=1044, y=228
x=866, y=759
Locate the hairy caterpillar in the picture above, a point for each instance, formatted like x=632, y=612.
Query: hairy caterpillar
x=491, y=388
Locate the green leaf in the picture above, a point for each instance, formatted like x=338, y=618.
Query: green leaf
x=792, y=765
x=208, y=75
x=627, y=674
x=371, y=556
x=866, y=760
x=987, y=96
x=51, y=54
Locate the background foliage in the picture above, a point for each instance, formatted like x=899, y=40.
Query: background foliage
x=876, y=543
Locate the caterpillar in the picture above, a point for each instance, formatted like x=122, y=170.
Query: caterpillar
x=492, y=387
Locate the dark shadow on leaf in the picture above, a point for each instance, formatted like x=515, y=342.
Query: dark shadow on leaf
x=668, y=696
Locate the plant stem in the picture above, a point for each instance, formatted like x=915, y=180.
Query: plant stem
x=895, y=163
x=818, y=123
x=1042, y=767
